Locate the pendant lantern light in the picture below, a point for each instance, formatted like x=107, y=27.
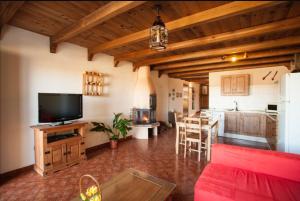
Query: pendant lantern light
x=158, y=33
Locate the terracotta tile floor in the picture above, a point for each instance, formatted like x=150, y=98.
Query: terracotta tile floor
x=156, y=157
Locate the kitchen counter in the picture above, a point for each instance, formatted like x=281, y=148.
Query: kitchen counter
x=255, y=125
x=272, y=116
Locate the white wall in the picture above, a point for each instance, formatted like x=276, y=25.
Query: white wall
x=262, y=92
x=27, y=68
x=161, y=88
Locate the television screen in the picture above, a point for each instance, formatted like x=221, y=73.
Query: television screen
x=59, y=107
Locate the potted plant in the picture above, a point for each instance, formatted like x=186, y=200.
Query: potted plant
x=119, y=128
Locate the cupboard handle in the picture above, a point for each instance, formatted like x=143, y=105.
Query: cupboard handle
x=47, y=152
x=82, y=143
x=47, y=164
x=82, y=153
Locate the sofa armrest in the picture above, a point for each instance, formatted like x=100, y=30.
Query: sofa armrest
x=274, y=163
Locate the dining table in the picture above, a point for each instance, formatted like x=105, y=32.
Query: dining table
x=209, y=126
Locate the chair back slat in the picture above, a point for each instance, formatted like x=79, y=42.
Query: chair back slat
x=193, y=125
x=178, y=117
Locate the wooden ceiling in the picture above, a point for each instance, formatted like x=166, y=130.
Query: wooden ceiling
x=202, y=34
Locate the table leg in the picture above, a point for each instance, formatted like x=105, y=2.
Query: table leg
x=208, y=144
x=155, y=131
x=177, y=139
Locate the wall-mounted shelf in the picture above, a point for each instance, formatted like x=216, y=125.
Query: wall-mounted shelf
x=92, y=84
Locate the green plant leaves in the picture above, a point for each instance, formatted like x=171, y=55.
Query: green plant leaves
x=120, y=126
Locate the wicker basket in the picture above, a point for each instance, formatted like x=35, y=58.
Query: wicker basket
x=93, y=193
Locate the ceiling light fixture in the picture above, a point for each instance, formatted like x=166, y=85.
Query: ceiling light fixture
x=235, y=57
x=158, y=33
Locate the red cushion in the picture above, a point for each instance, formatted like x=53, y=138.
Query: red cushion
x=223, y=183
x=274, y=163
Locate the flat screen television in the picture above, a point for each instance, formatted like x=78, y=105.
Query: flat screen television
x=54, y=107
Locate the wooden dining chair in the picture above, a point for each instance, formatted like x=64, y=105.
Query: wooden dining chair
x=194, y=134
x=180, y=127
x=178, y=116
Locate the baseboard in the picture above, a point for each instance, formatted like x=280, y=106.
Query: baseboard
x=104, y=145
x=4, y=177
x=245, y=137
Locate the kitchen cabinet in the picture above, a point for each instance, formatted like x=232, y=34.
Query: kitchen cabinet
x=252, y=124
x=226, y=82
x=271, y=132
x=232, y=122
x=235, y=85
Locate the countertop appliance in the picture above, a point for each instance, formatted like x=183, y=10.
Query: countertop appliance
x=289, y=113
x=272, y=108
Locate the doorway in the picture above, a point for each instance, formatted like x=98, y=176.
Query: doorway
x=204, y=96
x=185, y=100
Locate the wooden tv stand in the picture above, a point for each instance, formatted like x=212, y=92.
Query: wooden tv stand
x=53, y=155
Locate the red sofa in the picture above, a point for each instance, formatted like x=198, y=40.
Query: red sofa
x=239, y=173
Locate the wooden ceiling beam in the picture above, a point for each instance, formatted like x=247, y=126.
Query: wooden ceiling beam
x=231, y=64
x=283, y=42
x=179, y=75
x=199, y=81
x=227, y=36
x=8, y=10
x=196, y=76
x=217, y=13
x=100, y=15
x=220, y=59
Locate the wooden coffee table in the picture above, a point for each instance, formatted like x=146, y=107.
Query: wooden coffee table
x=134, y=185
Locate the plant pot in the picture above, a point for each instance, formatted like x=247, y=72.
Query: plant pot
x=113, y=144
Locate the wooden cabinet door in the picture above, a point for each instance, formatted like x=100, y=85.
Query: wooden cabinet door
x=241, y=85
x=226, y=85
x=235, y=85
x=231, y=122
x=251, y=124
x=73, y=151
x=58, y=155
x=270, y=128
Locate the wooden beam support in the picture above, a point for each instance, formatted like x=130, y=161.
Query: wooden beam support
x=219, y=59
x=231, y=64
x=178, y=75
x=100, y=15
x=90, y=56
x=227, y=36
x=7, y=12
x=217, y=13
x=283, y=42
x=116, y=62
x=53, y=47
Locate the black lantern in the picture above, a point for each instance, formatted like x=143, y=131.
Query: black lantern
x=158, y=33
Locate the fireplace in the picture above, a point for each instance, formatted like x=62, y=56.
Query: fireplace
x=145, y=116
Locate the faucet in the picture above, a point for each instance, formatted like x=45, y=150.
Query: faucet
x=236, y=105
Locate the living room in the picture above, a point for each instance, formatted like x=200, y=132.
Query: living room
x=100, y=53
